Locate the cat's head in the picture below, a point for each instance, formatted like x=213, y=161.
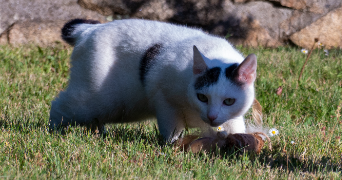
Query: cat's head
x=224, y=92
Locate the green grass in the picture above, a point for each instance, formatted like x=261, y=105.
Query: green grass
x=305, y=112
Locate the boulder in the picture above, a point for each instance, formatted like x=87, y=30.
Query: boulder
x=269, y=23
x=327, y=29
x=41, y=33
x=294, y=4
x=251, y=24
x=154, y=9
x=297, y=21
x=315, y=6
x=38, y=21
x=261, y=26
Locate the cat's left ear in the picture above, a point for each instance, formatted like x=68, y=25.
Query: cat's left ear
x=246, y=71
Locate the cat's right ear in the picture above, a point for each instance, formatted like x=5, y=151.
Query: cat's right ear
x=199, y=64
x=246, y=71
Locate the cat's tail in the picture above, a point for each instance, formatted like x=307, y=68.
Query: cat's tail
x=71, y=29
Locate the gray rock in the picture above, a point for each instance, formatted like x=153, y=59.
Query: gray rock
x=8, y=15
x=326, y=29
x=314, y=6
x=300, y=19
x=247, y=22
x=224, y=18
x=42, y=33
x=266, y=14
x=24, y=13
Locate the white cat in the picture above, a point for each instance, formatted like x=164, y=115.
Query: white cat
x=134, y=70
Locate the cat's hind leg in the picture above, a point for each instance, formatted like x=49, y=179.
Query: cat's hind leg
x=67, y=111
x=58, y=123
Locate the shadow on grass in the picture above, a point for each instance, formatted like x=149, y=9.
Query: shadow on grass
x=276, y=159
x=24, y=124
x=120, y=132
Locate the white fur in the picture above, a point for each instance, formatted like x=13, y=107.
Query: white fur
x=105, y=86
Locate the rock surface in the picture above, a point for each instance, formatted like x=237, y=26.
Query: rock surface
x=42, y=33
x=242, y=23
x=327, y=29
x=269, y=23
x=247, y=22
x=38, y=21
x=315, y=6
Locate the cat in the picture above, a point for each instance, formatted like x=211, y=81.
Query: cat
x=134, y=70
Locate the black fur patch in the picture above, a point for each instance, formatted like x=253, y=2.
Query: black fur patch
x=147, y=61
x=69, y=27
x=210, y=77
x=231, y=73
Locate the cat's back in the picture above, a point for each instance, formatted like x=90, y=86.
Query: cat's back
x=135, y=28
x=135, y=36
x=138, y=35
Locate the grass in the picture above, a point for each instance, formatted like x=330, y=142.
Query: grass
x=305, y=113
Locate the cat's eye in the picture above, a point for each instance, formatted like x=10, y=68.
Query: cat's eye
x=202, y=97
x=229, y=101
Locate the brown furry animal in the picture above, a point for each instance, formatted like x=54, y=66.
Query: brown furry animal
x=239, y=142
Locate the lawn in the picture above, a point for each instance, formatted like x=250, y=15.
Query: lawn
x=306, y=113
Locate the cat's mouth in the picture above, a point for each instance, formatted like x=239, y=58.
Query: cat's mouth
x=214, y=124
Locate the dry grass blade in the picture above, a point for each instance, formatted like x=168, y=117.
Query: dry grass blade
x=257, y=112
x=313, y=46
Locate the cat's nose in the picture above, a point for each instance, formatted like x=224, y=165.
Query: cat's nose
x=212, y=117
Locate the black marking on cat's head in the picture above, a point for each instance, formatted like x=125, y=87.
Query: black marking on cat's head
x=70, y=26
x=231, y=73
x=147, y=61
x=209, y=78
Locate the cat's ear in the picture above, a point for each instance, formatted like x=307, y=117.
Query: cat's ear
x=246, y=71
x=199, y=63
